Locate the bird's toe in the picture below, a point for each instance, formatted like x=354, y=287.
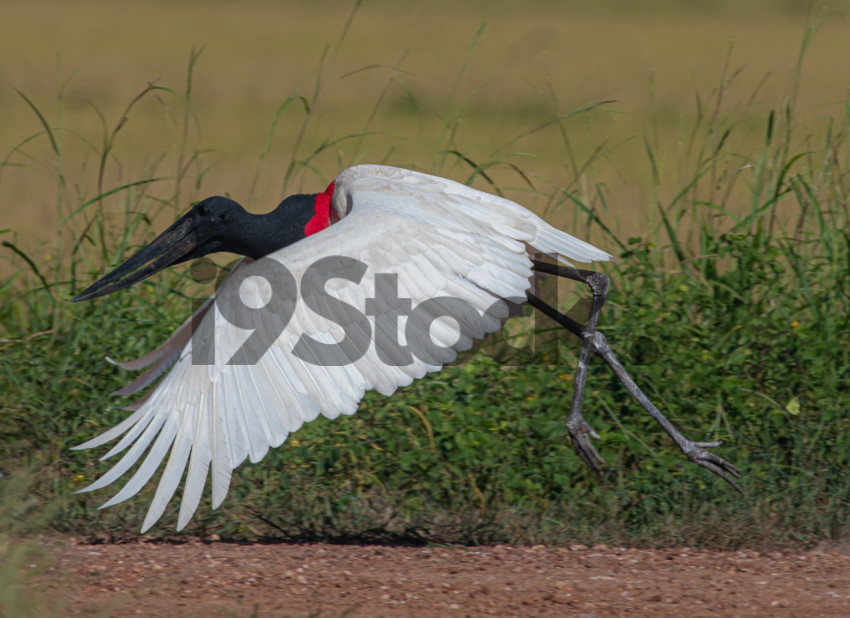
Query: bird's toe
x=584, y=448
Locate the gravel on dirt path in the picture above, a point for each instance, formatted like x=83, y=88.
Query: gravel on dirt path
x=228, y=579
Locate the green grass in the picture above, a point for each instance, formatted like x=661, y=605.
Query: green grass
x=740, y=279
x=23, y=556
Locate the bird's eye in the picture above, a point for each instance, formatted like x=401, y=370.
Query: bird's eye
x=202, y=210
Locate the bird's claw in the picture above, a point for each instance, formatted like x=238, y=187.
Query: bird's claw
x=697, y=452
x=580, y=436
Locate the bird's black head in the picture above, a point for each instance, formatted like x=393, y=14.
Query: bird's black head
x=220, y=224
x=210, y=226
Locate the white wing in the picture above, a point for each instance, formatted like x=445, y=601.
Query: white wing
x=441, y=238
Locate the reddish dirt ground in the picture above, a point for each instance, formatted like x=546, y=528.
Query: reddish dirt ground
x=223, y=579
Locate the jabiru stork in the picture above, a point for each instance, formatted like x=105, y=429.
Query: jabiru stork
x=440, y=238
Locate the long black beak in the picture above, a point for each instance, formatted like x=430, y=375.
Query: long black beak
x=176, y=244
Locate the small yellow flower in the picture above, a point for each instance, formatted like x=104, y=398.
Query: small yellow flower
x=79, y=477
x=529, y=398
x=795, y=324
x=295, y=442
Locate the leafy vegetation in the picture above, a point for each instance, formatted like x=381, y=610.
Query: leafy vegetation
x=731, y=312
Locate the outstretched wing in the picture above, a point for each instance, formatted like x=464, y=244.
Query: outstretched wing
x=244, y=374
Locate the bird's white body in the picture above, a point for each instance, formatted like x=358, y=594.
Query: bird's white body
x=440, y=237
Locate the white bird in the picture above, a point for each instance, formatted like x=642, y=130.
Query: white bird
x=308, y=321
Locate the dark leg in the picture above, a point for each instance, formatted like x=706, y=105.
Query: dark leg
x=580, y=432
x=594, y=341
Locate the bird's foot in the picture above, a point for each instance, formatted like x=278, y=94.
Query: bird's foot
x=697, y=452
x=580, y=434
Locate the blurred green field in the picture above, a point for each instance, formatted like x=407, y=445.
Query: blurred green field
x=493, y=71
x=698, y=144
